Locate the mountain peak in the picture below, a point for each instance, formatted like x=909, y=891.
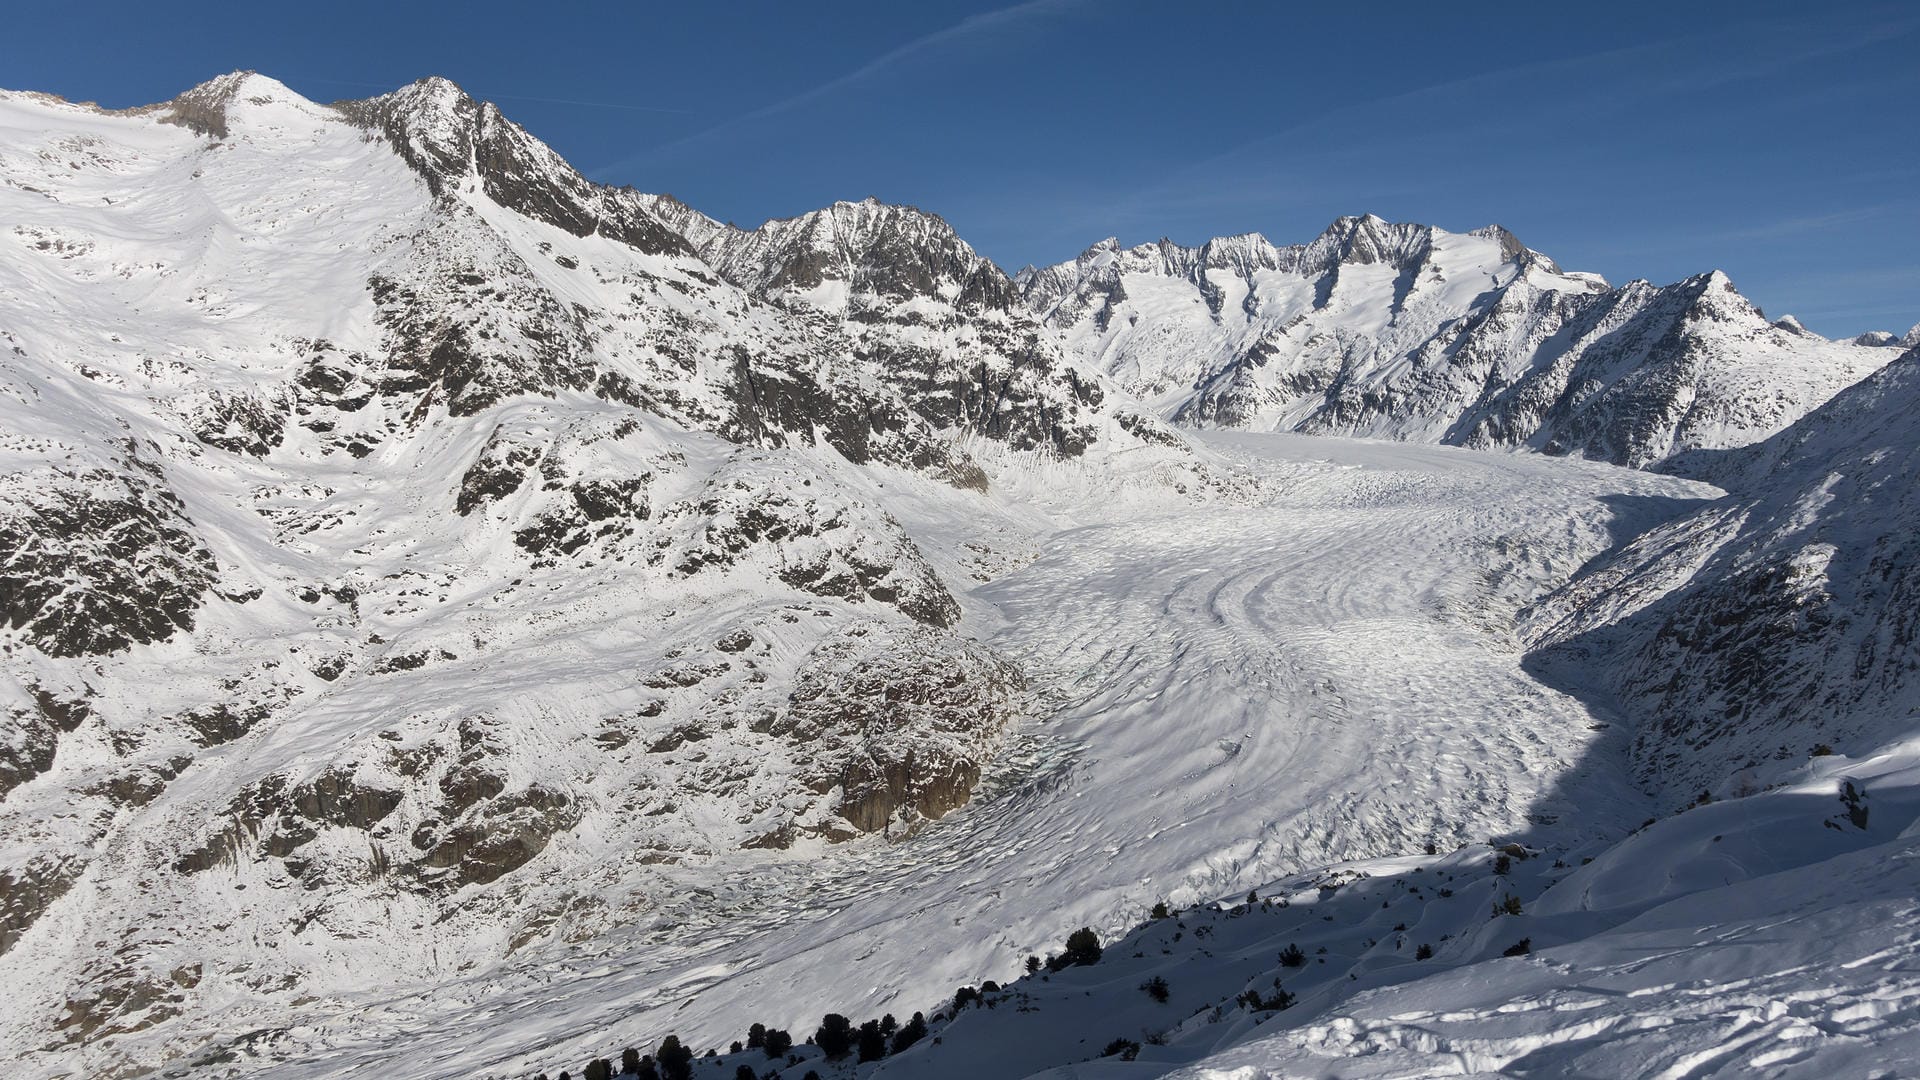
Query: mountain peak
x=1364, y=240
x=447, y=136
x=206, y=109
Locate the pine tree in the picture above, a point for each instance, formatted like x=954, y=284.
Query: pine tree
x=676, y=1061
x=756, y=1036
x=835, y=1037
x=629, y=1061
x=1083, y=947
x=778, y=1042
x=911, y=1032
x=873, y=1044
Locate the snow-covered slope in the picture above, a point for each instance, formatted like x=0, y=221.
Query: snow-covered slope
x=1782, y=617
x=1411, y=332
x=407, y=541
x=460, y=618
x=1769, y=935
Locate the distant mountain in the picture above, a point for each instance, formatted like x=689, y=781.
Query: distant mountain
x=1411, y=332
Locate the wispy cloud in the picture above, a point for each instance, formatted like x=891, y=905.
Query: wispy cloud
x=1491, y=105
x=973, y=28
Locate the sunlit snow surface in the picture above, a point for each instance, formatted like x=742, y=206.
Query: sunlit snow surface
x=1253, y=663
x=1323, y=671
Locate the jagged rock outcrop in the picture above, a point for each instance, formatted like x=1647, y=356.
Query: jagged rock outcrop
x=760, y=515
x=98, y=559
x=898, y=721
x=449, y=138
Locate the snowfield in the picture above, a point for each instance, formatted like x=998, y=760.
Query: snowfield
x=1319, y=669
x=460, y=621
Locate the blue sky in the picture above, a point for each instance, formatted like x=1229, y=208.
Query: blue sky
x=1779, y=142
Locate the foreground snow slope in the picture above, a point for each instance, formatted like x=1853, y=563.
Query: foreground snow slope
x=1769, y=936
x=1766, y=936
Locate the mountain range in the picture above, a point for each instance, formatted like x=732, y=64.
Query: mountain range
x=461, y=618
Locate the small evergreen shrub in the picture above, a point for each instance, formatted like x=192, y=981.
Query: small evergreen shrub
x=1083, y=947
x=1853, y=797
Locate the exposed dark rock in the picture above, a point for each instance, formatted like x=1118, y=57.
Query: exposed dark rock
x=606, y=510
x=27, y=891
x=447, y=137
x=27, y=747
x=238, y=423
x=900, y=720
x=97, y=561
x=223, y=722
x=503, y=465
x=502, y=836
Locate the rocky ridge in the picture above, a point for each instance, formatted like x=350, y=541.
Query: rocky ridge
x=1410, y=332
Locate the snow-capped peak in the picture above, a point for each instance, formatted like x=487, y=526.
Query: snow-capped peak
x=212, y=107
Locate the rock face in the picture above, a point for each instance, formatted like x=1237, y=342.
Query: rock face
x=919, y=310
x=1410, y=332
x=899, y=721
x=1782, y=617
x=760, y=511
x=98, y=560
